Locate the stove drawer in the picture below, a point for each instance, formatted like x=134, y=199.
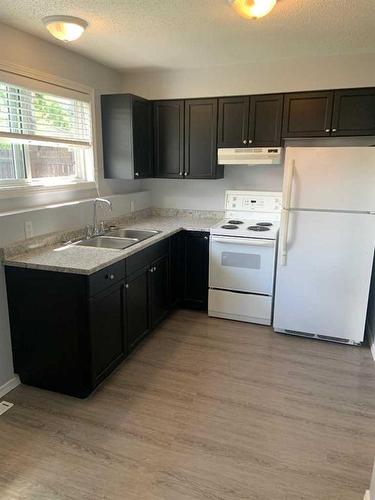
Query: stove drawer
x=240, y=306
x=242, y=264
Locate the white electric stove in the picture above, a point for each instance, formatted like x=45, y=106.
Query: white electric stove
x=243, y=256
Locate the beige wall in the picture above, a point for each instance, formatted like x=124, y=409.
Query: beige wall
x=24, y=50
x=260, y=78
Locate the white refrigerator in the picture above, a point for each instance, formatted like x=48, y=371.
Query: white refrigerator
x=326, y=243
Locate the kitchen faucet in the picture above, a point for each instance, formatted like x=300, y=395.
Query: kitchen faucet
x=97, y=230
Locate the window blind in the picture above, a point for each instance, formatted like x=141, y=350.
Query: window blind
x=27, y=115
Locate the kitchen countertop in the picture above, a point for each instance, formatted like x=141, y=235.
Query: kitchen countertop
x=87, y=260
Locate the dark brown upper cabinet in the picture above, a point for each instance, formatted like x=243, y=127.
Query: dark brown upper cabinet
x=307, y=114
x=354, y=112
x=127, y=136
x=250, y=121
x=265, y=120
x=201, y=140
x=233, y=122
x=169, y=139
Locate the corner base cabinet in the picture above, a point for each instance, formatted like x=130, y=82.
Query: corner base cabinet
x=70, y=331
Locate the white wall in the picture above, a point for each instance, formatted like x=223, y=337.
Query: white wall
x=279, y=76
x=209, y=195
x=31, y=53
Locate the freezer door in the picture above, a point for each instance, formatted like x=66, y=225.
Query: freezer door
x=324, y=285
x=330, y=178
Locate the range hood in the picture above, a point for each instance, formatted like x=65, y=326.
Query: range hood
x=249, y=156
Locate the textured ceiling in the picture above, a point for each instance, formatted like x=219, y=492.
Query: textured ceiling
x=199, y=33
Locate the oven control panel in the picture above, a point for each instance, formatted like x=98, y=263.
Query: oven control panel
x=253, y=201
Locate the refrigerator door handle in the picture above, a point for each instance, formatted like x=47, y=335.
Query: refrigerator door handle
x=285, y=212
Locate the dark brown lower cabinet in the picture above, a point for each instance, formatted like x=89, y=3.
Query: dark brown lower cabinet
x=108, y=340
x=176, y=268
x=196, y=246
x=147, y=299
x=70, y=331
x=159, y=292
x=137, y=306
x=64, y=337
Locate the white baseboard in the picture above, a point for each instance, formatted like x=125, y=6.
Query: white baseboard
x=371, y=339
x=8, y=386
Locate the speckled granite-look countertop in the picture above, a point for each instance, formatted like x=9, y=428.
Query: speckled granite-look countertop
x=87, y=260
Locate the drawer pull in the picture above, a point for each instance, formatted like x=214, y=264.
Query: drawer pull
x=109, y=276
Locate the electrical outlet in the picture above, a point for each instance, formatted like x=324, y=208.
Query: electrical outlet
x=29, y=231
x=5, y=406
x=131, y=206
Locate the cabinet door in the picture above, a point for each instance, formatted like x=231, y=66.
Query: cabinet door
x=137, y=306
x=127, y=134
x=142, y=138
x=307, y=114
x=108, y=343
x=176, y=266
x=196, y=269
x=159, y=293
x=233, y=122
x=354, y=112
x=169, y=139
x=201, y=139
x=265, y=120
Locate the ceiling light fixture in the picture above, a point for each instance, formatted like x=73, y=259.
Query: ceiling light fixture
x=65, y=28
x=253, y=9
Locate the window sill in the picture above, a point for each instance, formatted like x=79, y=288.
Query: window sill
x=17, y=191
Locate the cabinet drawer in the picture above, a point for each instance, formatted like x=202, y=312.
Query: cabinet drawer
x=106, y=277
x=145, y=257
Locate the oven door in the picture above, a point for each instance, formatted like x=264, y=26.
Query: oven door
x=242, y=264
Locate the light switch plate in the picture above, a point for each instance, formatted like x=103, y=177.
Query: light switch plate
x=5, y=406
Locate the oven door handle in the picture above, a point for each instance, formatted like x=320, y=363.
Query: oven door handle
x=249, y=242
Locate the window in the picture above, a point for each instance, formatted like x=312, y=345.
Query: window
x=45, y=138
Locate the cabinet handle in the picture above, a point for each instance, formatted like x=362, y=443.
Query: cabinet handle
x=136, y=174
x=185, y=174
x=244, y=142
x=152, y=270
x=206, y=237
x=181, y=173
x=127, y=285
x=328, y=130
x=110, y=276
x=334, y=130
x=250, y=141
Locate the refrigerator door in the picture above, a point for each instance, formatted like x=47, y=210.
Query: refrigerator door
x=335, y=178
x=323, y=287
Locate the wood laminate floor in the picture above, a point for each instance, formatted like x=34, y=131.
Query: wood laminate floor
x=204, y=409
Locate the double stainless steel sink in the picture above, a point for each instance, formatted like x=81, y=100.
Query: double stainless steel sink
x=118, y=238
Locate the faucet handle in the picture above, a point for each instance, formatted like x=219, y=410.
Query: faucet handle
x=102, y=227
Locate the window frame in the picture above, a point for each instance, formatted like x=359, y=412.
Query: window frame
x=41, y=82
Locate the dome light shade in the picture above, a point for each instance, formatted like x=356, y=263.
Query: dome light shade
x=253, y=9
x=65, y=28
